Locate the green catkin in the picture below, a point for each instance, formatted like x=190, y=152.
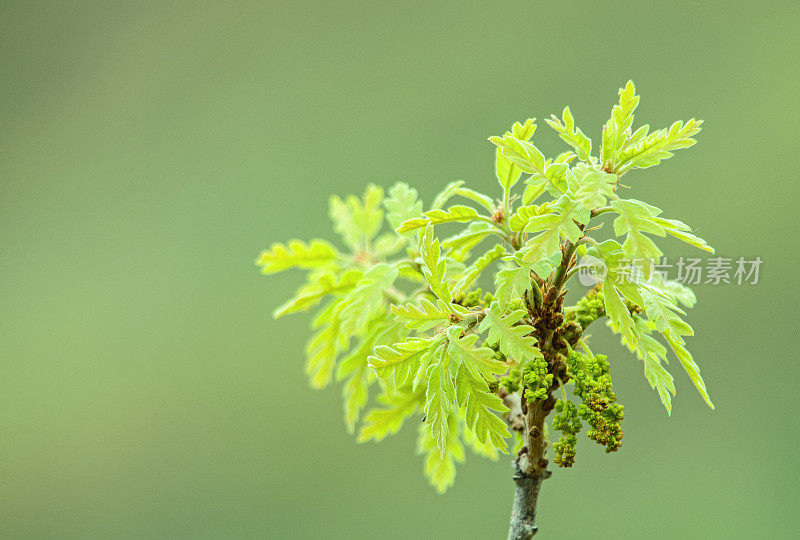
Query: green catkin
x=599, y=408
x=474, y=298
x=567, y=422
x=536, y=379
x=512, y=381
x=592, y=307
x=589, y=308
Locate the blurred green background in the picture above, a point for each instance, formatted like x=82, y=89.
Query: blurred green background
x=150, y=150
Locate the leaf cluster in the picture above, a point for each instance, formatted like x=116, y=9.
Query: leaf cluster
x=401, y=321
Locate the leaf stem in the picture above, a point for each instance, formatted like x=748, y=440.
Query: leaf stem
x=506, y=202
x=602, y=210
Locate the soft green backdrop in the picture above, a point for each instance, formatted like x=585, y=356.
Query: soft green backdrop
x=150, y=150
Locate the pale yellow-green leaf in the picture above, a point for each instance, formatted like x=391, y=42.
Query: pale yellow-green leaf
x=617, y=130
x=402, y=204
x=618, y=313
x=477, y=267
x=657, y=146
x=296, y=254
x=480, y=360
x=423, y=315
x=320, y=286
x=435, y=217
x=481, y=409
x=440, y=465
x=439, y=397
x=434, y=268
x=515, y=338
x=690, y=366
x=388, y=419
x=680, y=230
x=401, y=360
x=594, y=187
x=571, y=135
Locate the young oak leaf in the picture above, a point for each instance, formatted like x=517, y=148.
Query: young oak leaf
x=593, y=187
x=449, y=191
x=530, y=159
x=434, y=269
x=401, y=360
x=636, y=218
x=616, y=281
x=571, y=135
x=480, y=361
x=480, y=198
x=440, y=463
x=325, y=344
x=689, y=366
x=654, y=371
x=424, y=315
x=617, y=130
x=651, y=149
x=511, y=282
x=524, y=131
x=402, y=204
x=674, y=290
x=523, y=215
x=341, y=215
x=480, y=408
x=665, y=314
x=507, y=172
x=319, y=286
x=652, y=353
x=563, y=221
x=456, y=213
x=439, y=396
x=457, y=188
x=474, y=271
x=388, y=420
x=680, y=230
x=515, y=339
x=357, y=220
x=296, y=254
x=367, y=298
x=387, y=245
x=618, y=313
x=367, y=214
x=485, y=449
x=533, y=191
x=465, y=240
x=354, y=370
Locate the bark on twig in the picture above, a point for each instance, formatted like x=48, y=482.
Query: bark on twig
x=523, y=512
x=530, y=470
